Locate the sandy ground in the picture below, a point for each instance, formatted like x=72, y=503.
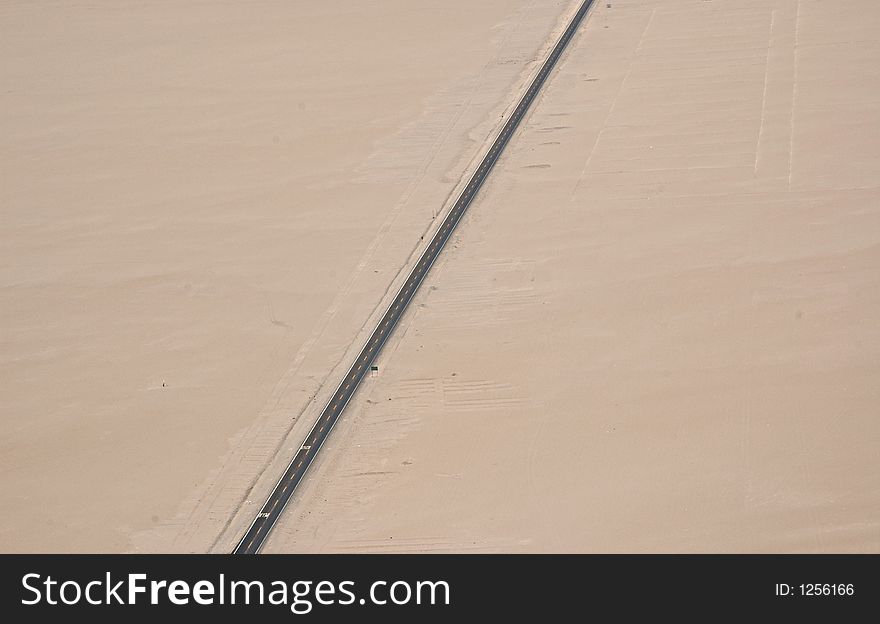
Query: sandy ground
x=657, y=329
x=202, y=202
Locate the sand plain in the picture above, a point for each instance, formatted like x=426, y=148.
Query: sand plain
x=655, y=331
x=202, y=203
x=657, y=328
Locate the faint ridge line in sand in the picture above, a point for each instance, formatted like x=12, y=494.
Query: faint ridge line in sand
x=613, y=103
x=794, y=89
x=764, y=94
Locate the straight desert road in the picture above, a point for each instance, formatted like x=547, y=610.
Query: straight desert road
x=259, y=531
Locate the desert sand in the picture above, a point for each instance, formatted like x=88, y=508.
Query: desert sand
x=655, y=329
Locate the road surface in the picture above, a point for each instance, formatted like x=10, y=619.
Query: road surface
x=265, y=520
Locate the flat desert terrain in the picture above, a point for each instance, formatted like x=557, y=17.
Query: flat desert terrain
x=654, y=331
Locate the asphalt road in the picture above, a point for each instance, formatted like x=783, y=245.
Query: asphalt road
x=262, y=525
